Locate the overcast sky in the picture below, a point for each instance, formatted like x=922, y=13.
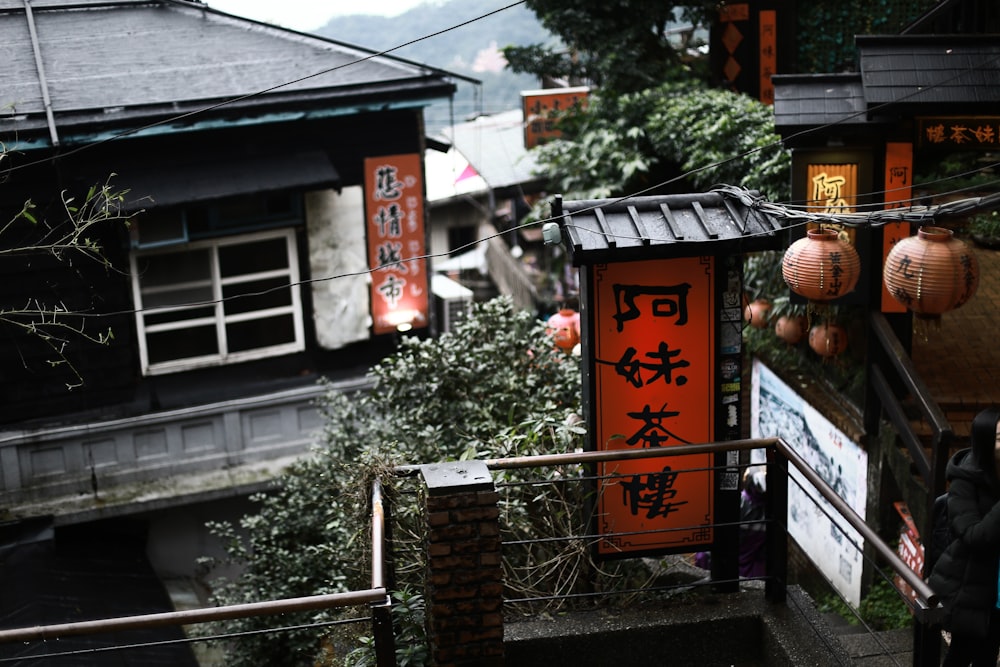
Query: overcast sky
x=308, y=15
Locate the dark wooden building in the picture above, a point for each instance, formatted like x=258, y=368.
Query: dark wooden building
x=242, y=148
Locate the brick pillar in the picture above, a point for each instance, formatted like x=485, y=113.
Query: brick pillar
x=464, y=589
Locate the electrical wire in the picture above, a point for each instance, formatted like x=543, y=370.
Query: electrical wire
x=795, y=216
x=259, y=93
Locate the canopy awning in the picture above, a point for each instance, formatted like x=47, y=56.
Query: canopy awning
x=153, y=185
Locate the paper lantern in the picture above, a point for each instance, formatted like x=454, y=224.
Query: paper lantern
x=758, y=313
x=932, y=272
x=828, y=339
x=790, y=328
x=821, y=266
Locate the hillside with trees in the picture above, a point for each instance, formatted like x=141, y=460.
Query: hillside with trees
x=473, y=50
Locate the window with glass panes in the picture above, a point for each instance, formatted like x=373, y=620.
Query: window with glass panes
x=218, y=301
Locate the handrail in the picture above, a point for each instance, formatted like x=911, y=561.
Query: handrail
x=932, y=471
x=377, y=596
x=925, y=595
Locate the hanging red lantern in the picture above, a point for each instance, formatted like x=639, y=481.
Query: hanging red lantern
x=932, y=272
x=757, y=313
x=790, y=328
x=828, y=339
x=821, y=266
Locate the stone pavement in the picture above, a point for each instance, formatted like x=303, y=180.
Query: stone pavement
x=959, y=360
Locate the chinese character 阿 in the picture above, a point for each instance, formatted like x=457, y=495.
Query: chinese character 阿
x=668, y=301
x=829, y=190
x=652, y=492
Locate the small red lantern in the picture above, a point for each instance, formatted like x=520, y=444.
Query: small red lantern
x=932, y=272
x=757, y=313
x=828, y=339
x=821, y=266
x=790, y=328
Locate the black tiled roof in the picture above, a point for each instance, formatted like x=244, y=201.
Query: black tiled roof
x=652, y=227
x=818, y=99
x=929, y=69
x=128, y=61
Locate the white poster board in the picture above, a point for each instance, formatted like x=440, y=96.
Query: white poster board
x=778, y=412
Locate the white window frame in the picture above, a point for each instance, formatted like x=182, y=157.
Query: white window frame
x=220, y=319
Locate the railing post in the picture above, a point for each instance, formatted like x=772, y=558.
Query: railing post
x=776, y=541
x=385, y=641
x=926, y=641
x=382, y=577
x=464, y=589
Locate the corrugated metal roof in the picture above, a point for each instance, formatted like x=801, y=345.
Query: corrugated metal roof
x=928, y=69
x=649, y=227
x=494, y=145
x=118, y=61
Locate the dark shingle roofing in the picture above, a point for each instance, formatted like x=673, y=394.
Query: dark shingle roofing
x=898, y=74
x=123, y=61
x=651, y=227
x=818, y=99
x=922, y=69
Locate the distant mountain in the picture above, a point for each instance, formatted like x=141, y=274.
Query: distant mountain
x=471, y=49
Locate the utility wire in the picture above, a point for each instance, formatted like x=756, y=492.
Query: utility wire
x=794, y=216
x=264, y=91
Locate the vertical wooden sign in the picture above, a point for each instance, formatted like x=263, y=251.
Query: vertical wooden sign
x=394, y=210
x=654, y=386
x=768, y=31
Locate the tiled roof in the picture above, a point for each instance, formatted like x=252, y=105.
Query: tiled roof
x=818, y=99
x=927, y=69
x=123, y=61
x=664, y=226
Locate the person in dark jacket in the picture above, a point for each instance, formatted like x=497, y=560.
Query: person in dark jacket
x=965, y=576
x=753, y=531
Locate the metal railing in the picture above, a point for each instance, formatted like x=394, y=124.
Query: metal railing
x=376, y=597
x=782, y=458
x=888, y=354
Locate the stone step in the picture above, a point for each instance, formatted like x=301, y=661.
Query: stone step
x=872, y=649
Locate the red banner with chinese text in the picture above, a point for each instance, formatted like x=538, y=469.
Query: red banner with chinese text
x=541, y=109
x=654, y=386
x=394, y=213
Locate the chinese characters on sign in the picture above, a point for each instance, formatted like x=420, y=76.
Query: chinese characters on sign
x=898, y=193
x=959, y=132
x=394, y=211
x=654, y=337
x=541, y=109
x=833, y=188
x=768, y=54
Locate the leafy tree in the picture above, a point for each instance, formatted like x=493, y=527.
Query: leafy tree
x=627, y=144
x=621, y=46
x=496, y=386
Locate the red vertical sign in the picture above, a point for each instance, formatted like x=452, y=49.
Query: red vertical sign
x=768, y=54
x=394, y=211
x=654, y=336
x=898, y=192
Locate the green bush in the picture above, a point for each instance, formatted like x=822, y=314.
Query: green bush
x=494, y=387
